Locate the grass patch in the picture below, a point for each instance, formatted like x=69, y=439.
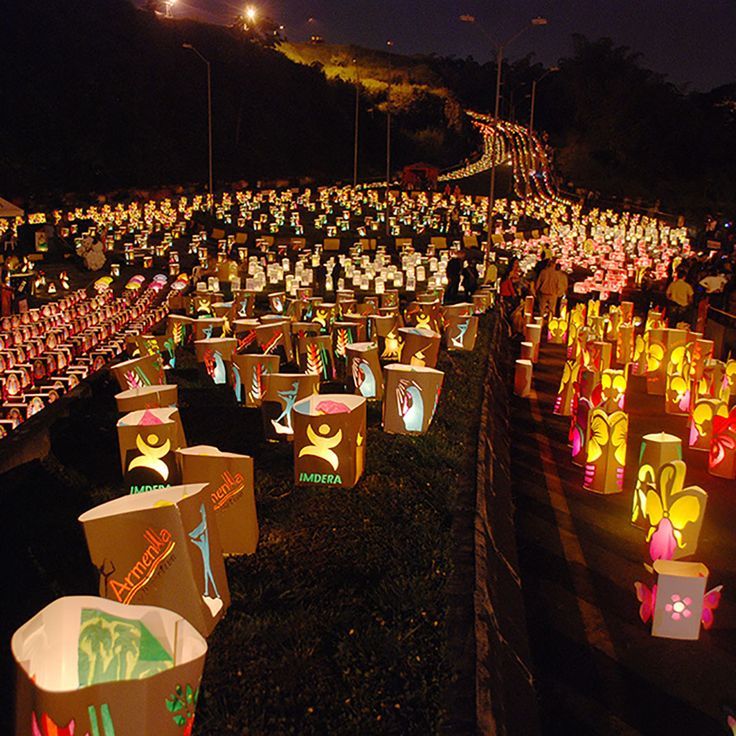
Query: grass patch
x=339, y=622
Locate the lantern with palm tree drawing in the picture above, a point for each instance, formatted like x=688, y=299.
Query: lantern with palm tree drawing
x=316, y=356
x=88, y=665
x=147, y=370
x=248, y=375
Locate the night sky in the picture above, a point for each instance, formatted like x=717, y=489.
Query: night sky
x=691, y=41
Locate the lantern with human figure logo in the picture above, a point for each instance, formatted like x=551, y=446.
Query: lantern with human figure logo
x=161, y=548
x=229, y=479
x=148, y=439
x=282, y=392
x=329, y=440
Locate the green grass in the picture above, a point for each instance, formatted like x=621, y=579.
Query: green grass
x=338, y=623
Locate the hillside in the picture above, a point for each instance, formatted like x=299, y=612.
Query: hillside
x=101, y=95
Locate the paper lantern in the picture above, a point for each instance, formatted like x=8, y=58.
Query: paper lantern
x=147, y=440
x=655, y=320
x=678, y=608
x=528, y=306
x=653, y=361
x=324, y=315
x=329, y=440
x=627, y=313
x=276, y=302
x=139, y=372
x=566, y=391
x=656, y=450
x=533, y=334
x=461, y=332
x=87, y=665
x=722, y=458
x=316, y=356
x=699, y=352
x=215, y=355
x=274, y=338
x=613, y=389
x=343, y=335
x=587, y=397
x=229, y=479
x=625, y=344
x=419, y=347
x=597, y=355
x=410, y=398
x=606, y=451
x=527, y=351
x=161, y=345
x=364, y=375
x=523, y=377
x=148, y=397
x=593, y=311
x=670, y=345
x=557, y=330
x=248, y=376
x=161, y=548
x=206, y=328
x=283, y=390
x=701, y=422
x=674, y=513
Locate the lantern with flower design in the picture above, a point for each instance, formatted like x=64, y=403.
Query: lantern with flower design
x=656, y=450
x=613, y=389
x=680, y=596
x=605, y=459
x=701, y=422
x=722, y=458
x=566, y=391
x=674, y=513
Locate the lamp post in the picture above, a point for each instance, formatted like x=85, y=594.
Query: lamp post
x=500, y=48
x=209, y=114
x=390, y=45
x=357, y=125
x=531, y=124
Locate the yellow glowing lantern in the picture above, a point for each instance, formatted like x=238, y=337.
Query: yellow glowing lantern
x=229, y=479
x=410, y=398
x=329, y=440
x=674, y=513
x=606, y=451
x=116, y=668
x=566, y=391
x=656, y=450
x=162, y=547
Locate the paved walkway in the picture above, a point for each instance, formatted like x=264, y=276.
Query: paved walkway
x=598, y=669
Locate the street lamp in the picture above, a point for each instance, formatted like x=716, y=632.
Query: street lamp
x=209, y=113
x=390, y=45
x=538, y=21
x=357, y=124
x=551, y=70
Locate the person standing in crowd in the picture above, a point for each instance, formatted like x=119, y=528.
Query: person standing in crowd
x=551, y=285
x=453, y=272
x=470, y=279
x=510, y=286
x=679, y=298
